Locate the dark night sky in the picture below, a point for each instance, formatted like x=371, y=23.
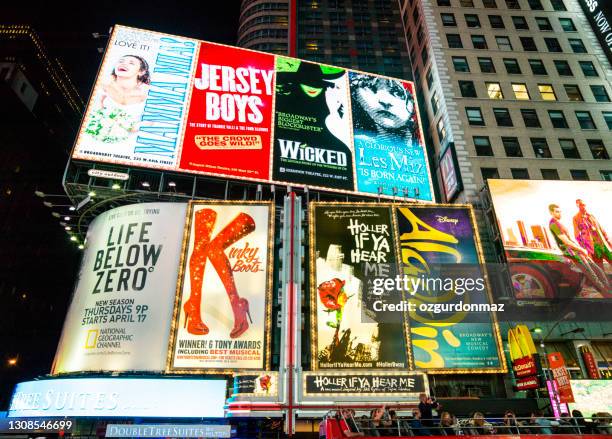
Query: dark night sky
x=66, y=27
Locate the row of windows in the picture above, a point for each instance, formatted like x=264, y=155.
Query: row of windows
x=530, y=117
x=504, y=43
x=279, y=20
x=497, y=22
x=521, y=92
x=265, y=7
x=535, y=5
x=276, y=34
x=512, y=147
x=547, y=174
x=461, y=64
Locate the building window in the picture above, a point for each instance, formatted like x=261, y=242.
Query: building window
x=577, y=45
x=557, y=118
x=530, y=117
x=520, y=23
x=444, y=3
x=537, y=67
x=479, y=42
x=553, y=45
x=567, y=24
x=563, y=68
x=540, y=148
x=429, y=78
x=599, y=93
x=502, y=117
x=568, y=148
x=496, y=22
x=607, y=115
x=579, y=174
x=434, y=103
x=494, y=90
x=489, y=3
x=513, y=4
x=488, y=173
x=598, y=150
x=606, y=175
x=520, y=92
x=472, y=20
x=454, y=41
x=512, y=66
x=486, y=65
x=558, y=5
x=448, y=19
x=528, y=44
x=482, y=144
x=461, y=64
x=512, y=147
x=441, y=130
x=466, y=3
x=585, y=120
x=535, y=5
x=503, y=43
x=543, y=24
x=588, y=69
x=549, y=174
x=474, y=116
x=547, y=92
x=467, y=89
x=573, y=92
x=519, y=173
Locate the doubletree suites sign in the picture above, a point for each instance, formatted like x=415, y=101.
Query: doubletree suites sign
x=600, y=23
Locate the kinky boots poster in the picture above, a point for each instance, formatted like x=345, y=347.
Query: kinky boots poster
x=350, y=246
x=221, y=316
x=312, y=134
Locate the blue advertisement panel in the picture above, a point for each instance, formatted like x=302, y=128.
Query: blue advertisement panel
x=390, y=157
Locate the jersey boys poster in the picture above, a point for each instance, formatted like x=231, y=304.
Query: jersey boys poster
x=222, y=311
x=349, y=245
x=230, y=116
x=137, y=109
x=312, y=133
x=390, y=156
x=120, y=314
x=417, y=251
x=439, y=248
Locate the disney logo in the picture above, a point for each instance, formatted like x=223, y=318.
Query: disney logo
x=445, y=219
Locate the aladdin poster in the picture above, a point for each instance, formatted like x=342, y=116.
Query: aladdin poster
x=222, y=311
x=350, y=245
x=439, y=249
x=137, y=108
x=230, y=116
x=390, y=155
x=312, y=134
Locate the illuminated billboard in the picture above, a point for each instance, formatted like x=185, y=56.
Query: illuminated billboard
x=222, y=312
x=119, y=397
x=400, y=286
x=191, y=106
x=120, y=313
x=556, y=237
x=592, y=397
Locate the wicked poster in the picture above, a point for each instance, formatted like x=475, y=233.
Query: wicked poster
x=350, y=245
x=312, y=134
x=221, y=316
x=439, y=249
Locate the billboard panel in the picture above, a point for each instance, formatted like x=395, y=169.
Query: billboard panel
x=229, y=126
x=556, y=237
x=137, y=109
x=440, y=245
x=592, y=396
x=222, y=311
x=120, y=314
x=363, y=259
x=198, y=107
